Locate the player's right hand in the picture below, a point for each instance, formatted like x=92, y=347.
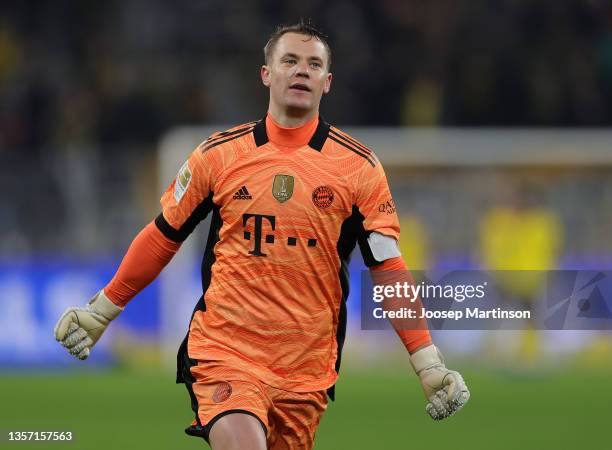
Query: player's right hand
x=78, y=329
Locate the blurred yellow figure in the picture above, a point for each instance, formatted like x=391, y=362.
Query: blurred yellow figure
x=521, y=240
x=422, y=105
x=414, y=242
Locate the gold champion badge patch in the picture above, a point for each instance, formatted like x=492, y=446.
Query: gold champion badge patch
x=282, y=188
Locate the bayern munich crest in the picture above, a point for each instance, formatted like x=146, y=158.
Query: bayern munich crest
x=222, y=392
x=323, y=196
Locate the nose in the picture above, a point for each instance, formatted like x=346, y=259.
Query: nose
x=302, y=70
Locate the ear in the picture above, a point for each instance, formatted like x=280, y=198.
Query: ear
x=265, y=76
x=327, y=85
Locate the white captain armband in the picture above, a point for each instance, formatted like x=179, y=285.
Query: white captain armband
x=383, y=247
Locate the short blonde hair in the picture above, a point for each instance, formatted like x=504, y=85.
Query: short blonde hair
x=305, y=28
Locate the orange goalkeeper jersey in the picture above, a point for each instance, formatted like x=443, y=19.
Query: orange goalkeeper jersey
x=288, y=207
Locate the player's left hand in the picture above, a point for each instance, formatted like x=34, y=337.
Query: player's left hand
x=445, y=389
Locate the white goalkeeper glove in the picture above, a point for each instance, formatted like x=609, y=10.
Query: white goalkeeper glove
x=445, y=389
x=78, y=329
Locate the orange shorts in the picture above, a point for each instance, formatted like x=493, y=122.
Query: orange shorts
x=289, y=419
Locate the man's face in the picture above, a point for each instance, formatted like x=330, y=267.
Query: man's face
x=297, y=72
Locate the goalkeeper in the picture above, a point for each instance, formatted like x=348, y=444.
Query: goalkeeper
x=290, y=197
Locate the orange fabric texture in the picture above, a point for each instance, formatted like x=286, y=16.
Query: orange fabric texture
x=289, y=138
x=291, y=419
x=275, y=295
x=148, y=254
x=412, y=339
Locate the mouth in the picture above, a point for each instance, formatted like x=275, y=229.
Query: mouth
x=299, y=87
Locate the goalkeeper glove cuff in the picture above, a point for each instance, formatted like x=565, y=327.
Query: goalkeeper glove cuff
x=426, y=358
x=78, y=329
x=104, y=306
x=445, y=389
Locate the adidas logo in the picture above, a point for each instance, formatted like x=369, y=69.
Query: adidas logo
x=242, y=194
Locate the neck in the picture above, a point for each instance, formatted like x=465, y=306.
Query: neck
x=286, y=138
x=291, y=117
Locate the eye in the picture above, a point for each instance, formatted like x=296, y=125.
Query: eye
x=290, y=61
x=315, y=65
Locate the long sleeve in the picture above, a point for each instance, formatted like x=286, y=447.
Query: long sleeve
x=146, y=257
x=391, y=271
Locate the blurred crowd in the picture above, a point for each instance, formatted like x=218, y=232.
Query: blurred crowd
x=87, y=88
x=505, y=218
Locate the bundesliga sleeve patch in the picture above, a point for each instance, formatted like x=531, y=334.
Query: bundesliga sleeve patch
x=182, y=182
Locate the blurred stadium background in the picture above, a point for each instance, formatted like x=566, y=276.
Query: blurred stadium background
x=492, y=120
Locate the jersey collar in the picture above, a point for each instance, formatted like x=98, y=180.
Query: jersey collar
x=316, y=141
